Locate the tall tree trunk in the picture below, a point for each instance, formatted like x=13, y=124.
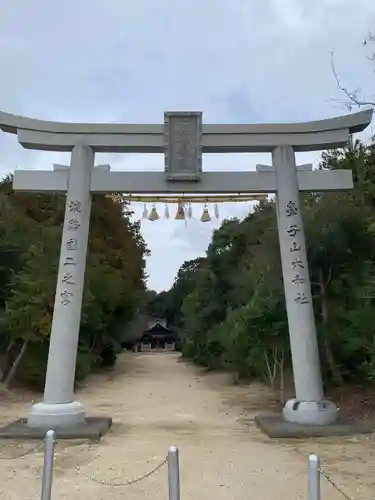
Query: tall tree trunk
x=330, y=358
x=13, y=370
x=5, y=361
x=281, y=378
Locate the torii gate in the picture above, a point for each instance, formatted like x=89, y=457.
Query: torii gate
x=182, y=139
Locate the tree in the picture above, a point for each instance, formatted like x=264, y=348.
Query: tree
x=30, y=236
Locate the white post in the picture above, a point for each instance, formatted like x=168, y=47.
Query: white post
x=173, y=473
x=308, y=407
x=49, y=455
x=58, y=407
x=314, y=492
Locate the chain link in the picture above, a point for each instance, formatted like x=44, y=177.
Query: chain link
x=131, y=481
x=332, y=483
x=23, y=454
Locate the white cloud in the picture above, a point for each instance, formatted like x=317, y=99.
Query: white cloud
x=243, y=61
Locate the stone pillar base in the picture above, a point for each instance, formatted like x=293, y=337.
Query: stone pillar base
x=310, y=412
x=53, y=415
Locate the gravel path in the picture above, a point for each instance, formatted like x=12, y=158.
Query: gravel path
x=156, y=401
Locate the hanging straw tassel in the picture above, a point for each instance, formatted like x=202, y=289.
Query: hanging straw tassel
x=166, y=212
x=180, y=215
x=153, y=214
x=217, y=211
x=190, y=212
x=145, y=212
x=205, y=215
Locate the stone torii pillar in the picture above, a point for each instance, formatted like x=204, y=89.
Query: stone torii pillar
x=59, y=408
x=182, y=139
x=309, y=406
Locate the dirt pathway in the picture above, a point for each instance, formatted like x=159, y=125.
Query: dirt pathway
x=157, y=400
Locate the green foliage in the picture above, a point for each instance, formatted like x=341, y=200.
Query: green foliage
x=30, y=236
x=229, y=306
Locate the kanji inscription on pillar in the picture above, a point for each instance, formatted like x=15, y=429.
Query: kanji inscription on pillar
x=301, y=298
x=291, y=209
x=72, y=244
x=297, y=264
x=70, y=261
x=183, y=145
x=293, y=230
x=298, y=279
x=75, y=206
x=73, y=224
x=66, y=297
x=67, y=279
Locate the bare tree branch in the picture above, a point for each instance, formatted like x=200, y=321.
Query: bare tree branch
x=329, y=277
x=353, y=96
x=370, y=39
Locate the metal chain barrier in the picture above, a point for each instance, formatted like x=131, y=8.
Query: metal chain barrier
x=315, y=471
x=131, y=481
x=332, y=483
x=38, y=447
x=172, y=460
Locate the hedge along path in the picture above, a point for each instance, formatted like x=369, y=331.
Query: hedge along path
x=157, y=400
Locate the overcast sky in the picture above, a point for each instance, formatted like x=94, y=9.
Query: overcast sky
x=238, y=61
